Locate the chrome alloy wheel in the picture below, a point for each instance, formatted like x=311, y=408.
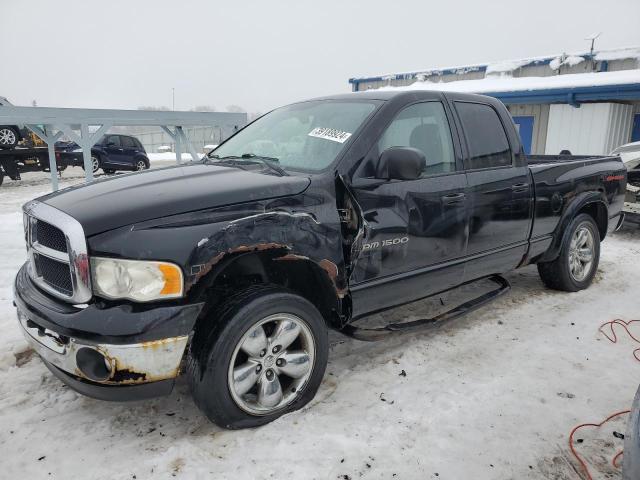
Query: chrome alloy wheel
x=7, y=136
x=140, y=165
x=581, y=253
x=271, y=364
x=95, y=164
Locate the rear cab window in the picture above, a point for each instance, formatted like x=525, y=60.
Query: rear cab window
x=486, y=138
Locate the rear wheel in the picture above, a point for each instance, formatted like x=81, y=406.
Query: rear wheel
x=95, y=164
x=109, y=171
x=265, y=356
x=577, y=263
x=8, y=137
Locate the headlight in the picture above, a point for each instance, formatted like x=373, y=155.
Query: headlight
x=141, y=281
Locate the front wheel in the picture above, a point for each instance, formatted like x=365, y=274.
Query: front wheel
x=577, y=263
x=264, y=356
x=141, y=165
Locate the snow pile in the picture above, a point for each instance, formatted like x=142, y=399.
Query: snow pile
x=619, y=54
x=170, y=156
x=505, y=67
x=508, y=84
x=569, y=60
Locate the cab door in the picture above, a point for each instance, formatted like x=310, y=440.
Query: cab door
x=499, y=192
x=415, y=230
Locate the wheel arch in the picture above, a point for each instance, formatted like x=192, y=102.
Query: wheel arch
x=593, y=204
x=277, y=266
x=140, y=156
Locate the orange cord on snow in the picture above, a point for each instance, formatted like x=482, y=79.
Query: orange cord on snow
x=613, y=338
x=573, y=450
x=614, y=462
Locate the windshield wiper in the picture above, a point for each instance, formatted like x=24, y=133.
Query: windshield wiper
x=270, y=162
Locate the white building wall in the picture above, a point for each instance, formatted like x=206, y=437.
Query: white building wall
x=594, y=128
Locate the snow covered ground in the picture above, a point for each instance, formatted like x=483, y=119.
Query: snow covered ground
x=492, y=395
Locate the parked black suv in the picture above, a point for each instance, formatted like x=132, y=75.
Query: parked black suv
x=113, y=152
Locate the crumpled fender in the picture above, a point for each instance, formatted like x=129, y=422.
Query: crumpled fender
x=290, y=236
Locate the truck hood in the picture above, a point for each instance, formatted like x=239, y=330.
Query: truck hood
x=110, y=203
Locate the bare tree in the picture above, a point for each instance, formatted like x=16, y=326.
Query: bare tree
x=203, y=108
x=235, y=109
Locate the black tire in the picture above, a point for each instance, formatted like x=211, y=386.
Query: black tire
x=95, y=162
x=211, y=353
x=1, y=176
x=558, y=273
x=141, y=165
x=9, y=137
x=109, y=171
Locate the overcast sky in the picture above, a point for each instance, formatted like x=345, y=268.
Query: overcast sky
x=261, y=54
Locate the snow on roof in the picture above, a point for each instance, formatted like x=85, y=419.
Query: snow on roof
x=510, y=84
x=505, y=66
x=618, y=54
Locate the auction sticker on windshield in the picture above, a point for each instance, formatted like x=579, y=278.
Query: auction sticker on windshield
x=330, y=134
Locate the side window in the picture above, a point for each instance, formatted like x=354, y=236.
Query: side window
x=127, y=142
x=115, y=139
x=423, y=126
x=487, y=140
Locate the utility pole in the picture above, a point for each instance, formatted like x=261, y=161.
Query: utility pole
x=173, y=98
x=593, y=41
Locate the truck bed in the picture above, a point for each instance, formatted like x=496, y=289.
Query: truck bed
x=542, y=159
x=558, y=178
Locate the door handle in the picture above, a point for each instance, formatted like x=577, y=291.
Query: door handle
x=520, y=187
x=453, y=198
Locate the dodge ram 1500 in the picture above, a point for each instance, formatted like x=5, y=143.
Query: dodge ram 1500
x=232, y=269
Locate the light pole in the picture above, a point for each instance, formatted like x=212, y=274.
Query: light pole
x=173, y=98
x=593, y=41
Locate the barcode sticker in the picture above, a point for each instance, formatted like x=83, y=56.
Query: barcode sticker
x=330, y=134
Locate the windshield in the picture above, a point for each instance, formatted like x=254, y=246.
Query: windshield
x=305, y=136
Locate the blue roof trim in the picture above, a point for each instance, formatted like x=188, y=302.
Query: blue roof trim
x=572, y=96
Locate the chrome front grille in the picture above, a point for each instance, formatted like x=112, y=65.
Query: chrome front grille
x=54, y=273
x=49, y=236
x=57, y=249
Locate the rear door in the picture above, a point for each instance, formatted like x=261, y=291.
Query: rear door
x=129, y=149
x=499, y=191
x=416, y=230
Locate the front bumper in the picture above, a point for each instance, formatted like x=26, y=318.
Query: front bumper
x=138, y=347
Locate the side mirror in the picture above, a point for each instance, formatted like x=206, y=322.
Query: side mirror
x=401, y=163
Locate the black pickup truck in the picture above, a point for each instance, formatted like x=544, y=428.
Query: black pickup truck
x=232, y=269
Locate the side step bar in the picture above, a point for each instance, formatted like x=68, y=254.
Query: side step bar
x=373, y=334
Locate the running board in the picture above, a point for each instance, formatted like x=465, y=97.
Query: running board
x=373, y=334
